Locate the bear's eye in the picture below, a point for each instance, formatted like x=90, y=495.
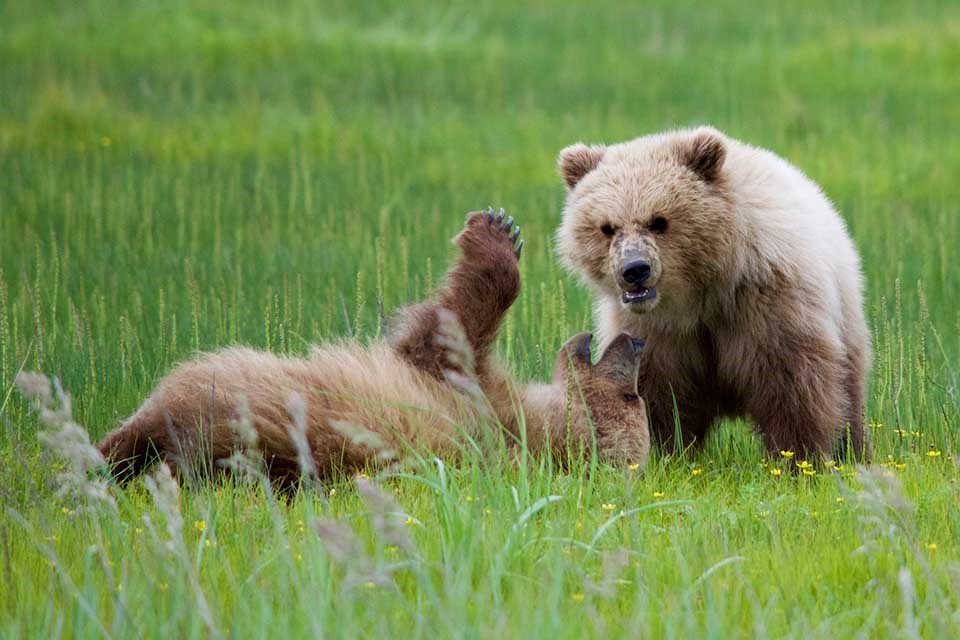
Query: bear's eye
x=608, y=230
x=631, y=397
x=658, y=224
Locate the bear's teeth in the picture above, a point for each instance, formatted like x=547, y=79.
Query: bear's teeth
x=639, y=295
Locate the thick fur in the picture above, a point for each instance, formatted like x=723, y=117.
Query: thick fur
x=758, y=306
x=412, y=391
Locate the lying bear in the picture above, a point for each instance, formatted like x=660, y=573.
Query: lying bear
x=409, y=391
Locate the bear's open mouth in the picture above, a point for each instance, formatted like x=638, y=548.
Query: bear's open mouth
x=640, y=295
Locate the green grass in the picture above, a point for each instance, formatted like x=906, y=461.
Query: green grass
x=179, y=176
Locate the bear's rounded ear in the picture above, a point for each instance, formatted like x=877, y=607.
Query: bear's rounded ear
x=578, y=160
x=704, y=153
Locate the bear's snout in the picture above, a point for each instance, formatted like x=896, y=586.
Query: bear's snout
x=635, y=272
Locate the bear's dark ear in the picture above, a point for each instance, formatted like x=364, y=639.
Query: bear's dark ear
x=704, y=153
x=578, y=160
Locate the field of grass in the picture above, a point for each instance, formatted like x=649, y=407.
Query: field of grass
x=180, y=176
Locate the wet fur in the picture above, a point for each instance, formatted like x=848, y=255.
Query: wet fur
x=397, y=390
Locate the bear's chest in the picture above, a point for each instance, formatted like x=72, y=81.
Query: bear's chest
x=707, y=366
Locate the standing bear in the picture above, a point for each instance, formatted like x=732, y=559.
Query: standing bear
x=431, y=386
x=739, y=274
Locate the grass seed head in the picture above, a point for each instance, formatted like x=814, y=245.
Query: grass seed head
x=78, y=478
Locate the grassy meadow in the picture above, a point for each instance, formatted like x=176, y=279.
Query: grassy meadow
x=181, y=176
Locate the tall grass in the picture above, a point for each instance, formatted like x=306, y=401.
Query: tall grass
x=180, y=176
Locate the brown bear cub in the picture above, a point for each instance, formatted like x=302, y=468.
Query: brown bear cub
x=739, y=274
x=426, y=388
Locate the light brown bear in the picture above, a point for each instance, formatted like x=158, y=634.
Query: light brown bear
x=738, y=273
x=416, y=390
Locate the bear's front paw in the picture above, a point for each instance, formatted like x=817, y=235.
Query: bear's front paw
x=487, y=236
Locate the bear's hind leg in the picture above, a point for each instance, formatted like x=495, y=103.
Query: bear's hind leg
x=146, y=439
x=479, y=289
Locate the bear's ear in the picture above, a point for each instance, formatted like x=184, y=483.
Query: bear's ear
x=704, y=153
x=578, y=160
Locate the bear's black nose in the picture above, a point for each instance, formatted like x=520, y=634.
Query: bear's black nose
x=636, y=272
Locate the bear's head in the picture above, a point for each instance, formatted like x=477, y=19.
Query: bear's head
x=649, y=221
x=609, y=389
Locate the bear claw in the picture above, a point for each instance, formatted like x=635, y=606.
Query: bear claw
x=506, y=226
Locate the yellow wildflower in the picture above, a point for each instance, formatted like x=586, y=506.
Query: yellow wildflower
x=803, y=464
x=840, y=500
x=370, y=584
x=900, y=466
x=633, y=467
x=697, y=471
x=608, y=506
x=776, y=472
x=200, y=524
x=933, y=453
x=786, y=454
x=578, y=597
x=809, y=472
x=876, y=425
x=931, y=546
x=658, y=494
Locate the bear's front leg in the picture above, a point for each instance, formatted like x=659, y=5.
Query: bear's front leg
x=478, y=289
x=678, y=405
x=797, y=397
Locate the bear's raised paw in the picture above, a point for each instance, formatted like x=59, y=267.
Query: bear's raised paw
x=489, y=236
